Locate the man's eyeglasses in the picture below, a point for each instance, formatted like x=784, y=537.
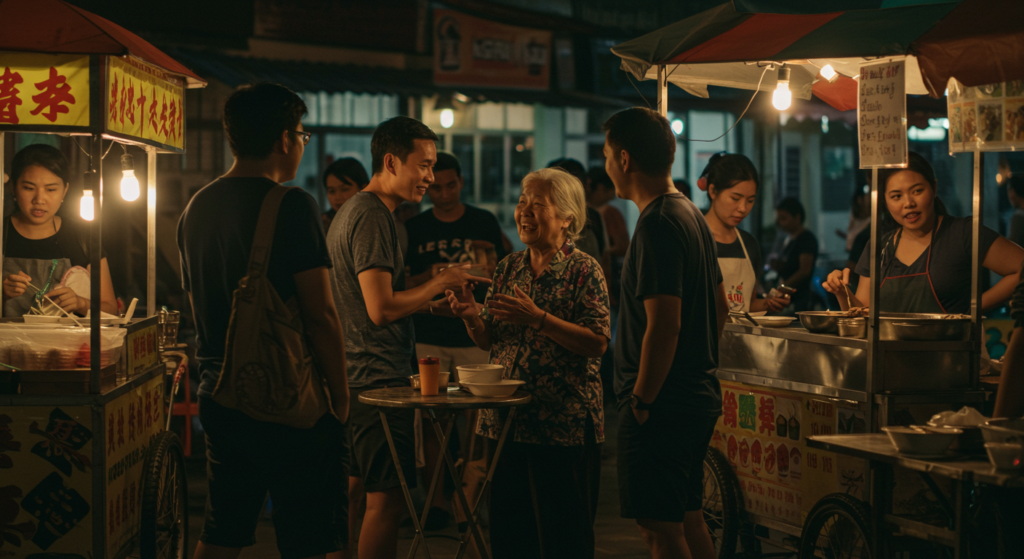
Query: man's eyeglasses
x=305, y=136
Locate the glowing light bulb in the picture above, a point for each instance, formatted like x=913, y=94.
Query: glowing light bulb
x=129, y=185
x=87, y=208
x=829, y=73
x=677, y=126
x=447, y=118
x=782, y=98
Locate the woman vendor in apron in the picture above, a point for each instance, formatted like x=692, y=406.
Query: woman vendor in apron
x=42, y=252
x=926, y=258
x=731, y=182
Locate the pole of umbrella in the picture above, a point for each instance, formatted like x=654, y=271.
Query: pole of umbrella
x=663, y=90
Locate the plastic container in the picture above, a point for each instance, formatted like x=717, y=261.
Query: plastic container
x=430, y=371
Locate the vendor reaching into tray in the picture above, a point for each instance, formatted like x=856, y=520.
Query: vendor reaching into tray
x=926, y=259
x=43, y=252
x=730, y=180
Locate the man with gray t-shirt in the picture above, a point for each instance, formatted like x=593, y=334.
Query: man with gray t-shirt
x=368, y=281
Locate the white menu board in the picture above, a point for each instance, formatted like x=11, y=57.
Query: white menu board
x=882, y=115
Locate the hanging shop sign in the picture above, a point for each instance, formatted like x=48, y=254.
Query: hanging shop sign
x=469, y=51
x=44, y=90
x=882, y=115
x=144, y=102
x=986, y=117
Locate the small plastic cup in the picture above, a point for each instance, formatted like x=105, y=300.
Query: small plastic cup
x=430, y=370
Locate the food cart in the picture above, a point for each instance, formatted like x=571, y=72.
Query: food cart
x=87, y=468
x=781, y=385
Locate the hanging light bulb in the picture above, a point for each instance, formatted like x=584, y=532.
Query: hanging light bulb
x=447, y=118
x=782, y=98
x=129, y=183
x=829, y=73
x=87, y=208
x=677, y=126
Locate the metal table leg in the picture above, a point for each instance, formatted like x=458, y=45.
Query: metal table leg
x=433, y=481
x=405, y=487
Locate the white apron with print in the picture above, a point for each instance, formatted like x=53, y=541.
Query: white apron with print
x=739, y=280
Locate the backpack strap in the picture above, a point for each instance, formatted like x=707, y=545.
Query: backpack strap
x=263, y=240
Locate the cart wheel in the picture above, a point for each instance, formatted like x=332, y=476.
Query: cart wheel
x=721, y=503
x=837, y=527
x=164, y=530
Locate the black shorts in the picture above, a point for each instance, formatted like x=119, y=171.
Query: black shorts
x=661, y=463
x=371, y=459
x=302, y=469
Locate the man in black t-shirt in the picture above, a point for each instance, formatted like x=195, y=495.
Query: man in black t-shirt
x=672, y=311
x=302, y=469
x=450, y=232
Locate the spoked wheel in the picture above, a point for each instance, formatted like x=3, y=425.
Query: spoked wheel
x=721, y=503
x=164, y=530
x=838, y=527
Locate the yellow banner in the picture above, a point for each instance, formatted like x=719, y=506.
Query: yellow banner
x=763, y=432
x=44, y=89
x=144, y=102
x=46, y=474
x=142, y=350
x=130, y=422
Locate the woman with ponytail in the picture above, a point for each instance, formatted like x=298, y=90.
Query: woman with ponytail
x=731, y=182
x=926, y=258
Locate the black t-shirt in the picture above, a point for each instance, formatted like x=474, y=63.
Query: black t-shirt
x=672, y=253
x=71, y=241
x=468, y=240
x=950, y=262
x=734, y=250
x=1017, y=302
x=789, y=255
x=215, y=237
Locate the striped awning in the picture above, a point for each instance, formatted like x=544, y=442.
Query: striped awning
x=975, y=41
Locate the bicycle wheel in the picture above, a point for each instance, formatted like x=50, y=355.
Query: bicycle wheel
x=838, y=527
x=721, y=503
x=164, y=530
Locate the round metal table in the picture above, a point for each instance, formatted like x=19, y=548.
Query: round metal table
x=404, y=397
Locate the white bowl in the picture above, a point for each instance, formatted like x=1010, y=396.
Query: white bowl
x=773, y=321
x=500, y=389
x=1003, y=430
x=926, y=440
x=40, y=319
x=483, y=373
x=1005, y=456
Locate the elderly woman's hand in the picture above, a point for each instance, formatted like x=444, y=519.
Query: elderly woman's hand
x=516, y=310
x=462, y=303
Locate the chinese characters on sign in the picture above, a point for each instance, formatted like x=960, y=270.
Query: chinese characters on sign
x=882, y=115
x=44, y=89
x=145, y=102
x=478, y=52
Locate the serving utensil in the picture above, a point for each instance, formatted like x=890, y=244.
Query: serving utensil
x=66, y=313
x=849, y=301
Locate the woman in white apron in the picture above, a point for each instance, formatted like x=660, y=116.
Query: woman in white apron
x=42, y=252
x=731, y=182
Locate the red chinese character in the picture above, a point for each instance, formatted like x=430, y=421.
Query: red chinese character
x=729, y=409
x=163, y=117
x=142, y=105
x=131, y=102
x=131, y=421
x=172, y=131
x=9, y=99
x=140, y=421
x=766, y=415
x=111, y=447
x=120, y=427
x=152, y=112
x=181, y=114
x=123, y=105
x=156, y=406
x=55, y=92
x=148, y=411
x=112, y=108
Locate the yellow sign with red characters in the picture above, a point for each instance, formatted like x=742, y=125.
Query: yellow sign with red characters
x=143, y=101
x=44, y=89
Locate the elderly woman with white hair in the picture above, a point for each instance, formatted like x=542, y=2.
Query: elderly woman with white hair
x=546, y=320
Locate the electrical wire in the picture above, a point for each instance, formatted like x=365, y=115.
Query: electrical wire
x=749, y=103
x=630, y=77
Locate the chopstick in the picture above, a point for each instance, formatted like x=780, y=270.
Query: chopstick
x=66, y=313
x=849, y=302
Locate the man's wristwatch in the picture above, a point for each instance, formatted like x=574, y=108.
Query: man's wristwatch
x=636, y=403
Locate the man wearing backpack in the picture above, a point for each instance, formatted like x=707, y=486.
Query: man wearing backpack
x=301, y=468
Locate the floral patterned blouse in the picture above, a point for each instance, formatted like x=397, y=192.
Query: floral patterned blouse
x=566, y=387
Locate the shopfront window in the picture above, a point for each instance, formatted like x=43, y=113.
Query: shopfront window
x=462, y=148
x=492, y=169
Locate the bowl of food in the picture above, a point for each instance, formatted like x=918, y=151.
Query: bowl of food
x=500, y=389
x=921, y=441
x=1003, y=430
x=820, y=322
x=485, y=373
x=1005, y=456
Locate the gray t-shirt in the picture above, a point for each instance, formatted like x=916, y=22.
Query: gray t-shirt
x=363, y=236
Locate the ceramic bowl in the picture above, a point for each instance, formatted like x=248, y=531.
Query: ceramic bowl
x=500, y=389
x=1003, y=430
x=1005, y=456
x=484, y=373
x=923, y=440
